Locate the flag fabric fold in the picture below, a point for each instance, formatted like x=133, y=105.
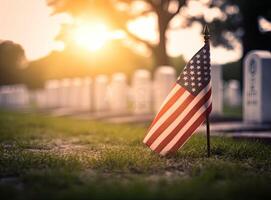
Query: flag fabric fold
x=185, y=108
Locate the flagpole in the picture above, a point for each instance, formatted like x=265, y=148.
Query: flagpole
x=208, y=136
x=206, y=40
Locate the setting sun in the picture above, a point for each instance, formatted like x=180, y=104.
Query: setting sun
x=91, y=36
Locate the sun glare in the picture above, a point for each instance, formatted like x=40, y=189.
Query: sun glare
x=91, y=36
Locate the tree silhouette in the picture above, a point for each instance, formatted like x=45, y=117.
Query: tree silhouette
x=12, y=61
x=241, y=18
x=165, y=10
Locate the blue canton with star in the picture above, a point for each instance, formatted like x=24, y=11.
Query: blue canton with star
x=196, y=73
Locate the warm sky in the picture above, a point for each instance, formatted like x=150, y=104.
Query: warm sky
x=31, y=25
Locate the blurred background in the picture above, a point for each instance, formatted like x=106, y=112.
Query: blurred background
x=41, y=40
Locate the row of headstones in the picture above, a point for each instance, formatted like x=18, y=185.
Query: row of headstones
x=145, y=96
x=114, y=94
x=101, y=94
x=14, y=96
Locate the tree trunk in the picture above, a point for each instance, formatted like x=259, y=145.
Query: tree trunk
x=159, y=51
x=160, y=55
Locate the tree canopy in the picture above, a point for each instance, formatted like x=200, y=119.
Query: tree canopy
x=12, y=61
x=239, y=18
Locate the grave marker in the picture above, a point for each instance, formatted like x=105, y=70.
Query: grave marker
x=217, y=90
x=233, y=93
x=257, y=87
x=141, y=91
x=164, y=79
x=118, y=93
x=100, y=97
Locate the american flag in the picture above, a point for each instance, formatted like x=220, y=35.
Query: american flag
x=185, y=108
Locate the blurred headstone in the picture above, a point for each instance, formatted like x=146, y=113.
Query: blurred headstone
x=40, y=99
x=118, y=99
x=257, y=87
x=217, y=90
x=11, y=96
x=22, y=96
x=100, y=96
x=52, y=93
x=86, y=94
x=233, y=93
x=14, y=96
x=164, y=80
x=4, y=95
x=1, y=97
x=75, y=93
x=64, y=92
x=141, y=91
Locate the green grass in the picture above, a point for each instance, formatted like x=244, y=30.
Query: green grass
x=232, y=111
x=58, y=158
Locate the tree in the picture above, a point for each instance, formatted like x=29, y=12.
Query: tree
x=240, y=18
x=165, y=10
x=12, y=61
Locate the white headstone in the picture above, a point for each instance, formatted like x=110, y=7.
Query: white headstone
x=217, y=90
x=118, y=99
x=64, y=93
x=52, y=93
x=257, y=87
x=100, y=96
x=75, y=93
x=233, y=95
x=22, y=98
x=12, y=96
x=5, y=90
x=1, y=97
x=141, y=91
x=86, y=94
x=164, y=79
x=40, y=99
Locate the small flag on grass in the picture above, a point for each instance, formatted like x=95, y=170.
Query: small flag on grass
x=185, y=108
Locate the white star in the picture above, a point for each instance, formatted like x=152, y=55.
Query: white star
x=192, y=83
x=205, y=67
x=204, y=51
x=191, y=67
x=185, y=72
x=192, y=78
x=191, y=61
x=199, y=73
x=185, y=78
x=198, y=61
x=192, y=72
x=193, y=89
x=198, y=67
x=205, y=73
x=206, y=79
x=199, y=84
x=204, y=56
x=198, y=56
x=199, y=78
x=186, y=83
x=205, y=62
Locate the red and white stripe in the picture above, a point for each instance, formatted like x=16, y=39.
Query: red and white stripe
x=179, y=117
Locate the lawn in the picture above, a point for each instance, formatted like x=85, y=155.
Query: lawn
x=42, y=157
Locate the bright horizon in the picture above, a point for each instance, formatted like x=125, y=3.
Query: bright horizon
x=36, y=31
